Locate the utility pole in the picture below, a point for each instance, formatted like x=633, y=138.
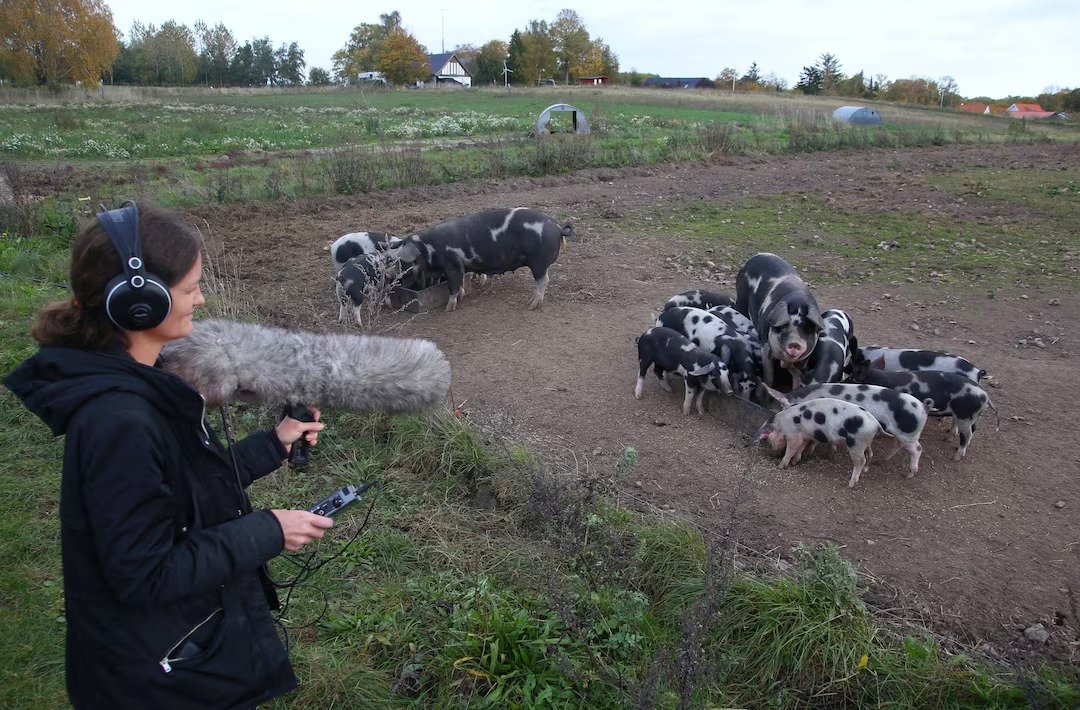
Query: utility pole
x=443, y=11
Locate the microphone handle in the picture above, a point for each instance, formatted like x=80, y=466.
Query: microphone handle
x=298, y=453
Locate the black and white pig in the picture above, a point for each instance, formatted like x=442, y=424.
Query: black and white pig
x=900, y=415
x=669, y=352
x=832, y=355
x=718, y=331
x=351, y=245
x=913, y=360
x=944, y=393
x=699, y=298
x=825, y=421
x=358, y=279
x=491, y=242
x=786, y=315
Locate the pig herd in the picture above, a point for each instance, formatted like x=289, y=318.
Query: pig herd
x=771, y=344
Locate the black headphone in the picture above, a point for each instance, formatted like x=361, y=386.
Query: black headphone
x=134, y=300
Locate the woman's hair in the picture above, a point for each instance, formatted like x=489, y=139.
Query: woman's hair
x=169, y=248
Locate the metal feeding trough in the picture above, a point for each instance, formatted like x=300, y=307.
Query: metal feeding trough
x=738, y=413
x=416, y=299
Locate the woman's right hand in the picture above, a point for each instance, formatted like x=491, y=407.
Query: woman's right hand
x=301, y=527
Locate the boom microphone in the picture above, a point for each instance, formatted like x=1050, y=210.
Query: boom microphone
x=228, y=361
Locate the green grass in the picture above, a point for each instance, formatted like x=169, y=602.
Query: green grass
x=1036, y=240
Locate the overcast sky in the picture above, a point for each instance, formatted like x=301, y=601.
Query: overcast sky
x=990, y=47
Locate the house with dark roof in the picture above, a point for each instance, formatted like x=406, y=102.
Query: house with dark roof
x=696, y=82
x=448, y=69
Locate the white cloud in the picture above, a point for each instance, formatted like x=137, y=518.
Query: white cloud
x=991, y=47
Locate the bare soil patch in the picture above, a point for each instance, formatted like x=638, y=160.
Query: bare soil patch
x=983, y=548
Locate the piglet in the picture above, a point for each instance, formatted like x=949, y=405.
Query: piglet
x=669, y=352
x=946, y=394
x=826, y=421
x=358, y=279
x=913, y=360
x=699, y=298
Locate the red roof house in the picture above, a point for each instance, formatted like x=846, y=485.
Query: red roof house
x=1027, y=111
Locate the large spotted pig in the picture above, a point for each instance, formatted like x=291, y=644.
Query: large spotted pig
x=718, y=331
x=669, y=352
x=784, y=312
x=913, y=360
x=699, y=298
x=491, y=242
x=832, y=354
x=827, y=421
x=900, y=415
x=945, y=394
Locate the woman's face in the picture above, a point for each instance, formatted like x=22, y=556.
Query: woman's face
x=186, y=297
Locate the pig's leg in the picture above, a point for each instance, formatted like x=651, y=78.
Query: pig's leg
x=541, y=289
x=665, y=378
x=795, y=445
x=701, y=402
x=966, y=428
x=767, y=368
x=858, y=461
x=455, y=281
x=894, y=446
x=357, y=313
x=689, y=397
x=914, y=449
x=643, y=369
x=806, y=450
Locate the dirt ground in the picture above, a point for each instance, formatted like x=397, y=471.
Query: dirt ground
x=984, y=548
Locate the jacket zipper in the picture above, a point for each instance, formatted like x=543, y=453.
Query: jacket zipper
x=166, y=661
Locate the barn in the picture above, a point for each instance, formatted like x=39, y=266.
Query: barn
x=448, y=69
x=857, y=115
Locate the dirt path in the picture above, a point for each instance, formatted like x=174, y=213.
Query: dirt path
x=986, y=547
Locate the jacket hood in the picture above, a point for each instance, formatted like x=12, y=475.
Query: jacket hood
x=55, y=382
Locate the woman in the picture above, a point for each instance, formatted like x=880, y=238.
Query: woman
x=167, y=600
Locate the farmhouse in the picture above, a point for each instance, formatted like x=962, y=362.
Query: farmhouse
x=448, y=69
x=975, y=108
x=697, y=82
x=1027, y=111
x=593, y=80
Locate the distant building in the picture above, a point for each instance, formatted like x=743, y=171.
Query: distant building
x=857, y=115
x=593, y=80
x=1027, y=111
x=697, y=82
x=975, y=108
x=448, y=69
x=370, y=77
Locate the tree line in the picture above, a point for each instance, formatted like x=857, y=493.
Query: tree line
x=61, y=42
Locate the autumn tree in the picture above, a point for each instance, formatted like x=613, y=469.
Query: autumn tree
x=538, y=58
x=402, y=60
x=751, y=80
x=318, y=77
x=361, y=52
x=62, y=41
x=726, y=78
x=489, y=62
x=571, y=43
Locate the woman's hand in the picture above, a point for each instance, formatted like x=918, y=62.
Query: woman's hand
x=301, y=527
x=290, y=430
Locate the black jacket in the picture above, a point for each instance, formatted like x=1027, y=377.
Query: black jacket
x=166, y=597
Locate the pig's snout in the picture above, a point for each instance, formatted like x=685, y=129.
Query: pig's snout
x=794, y=350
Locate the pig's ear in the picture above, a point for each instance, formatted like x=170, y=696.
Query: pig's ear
x=778, y=315
x=879, y=363
x=702, y=369
x=725, y=353
x=815, y=317
x=762, y=433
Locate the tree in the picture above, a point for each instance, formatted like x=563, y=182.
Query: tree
x=726, y=79
x=538, y=58
x=946, y=90
x=216, y=46
x=831, y=76
x=752, y=78
x=489, y=62
x=516, y=52
x=174, y=49
x=361, y=52
x=402, y=59
x=810, y=80
x=61, y=41
x=289, y=64
x=571, y=43
x=318, y=76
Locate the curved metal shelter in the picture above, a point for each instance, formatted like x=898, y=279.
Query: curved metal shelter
x=581, y=123
x=857, y=115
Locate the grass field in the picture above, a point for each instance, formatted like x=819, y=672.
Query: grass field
x=487, y=575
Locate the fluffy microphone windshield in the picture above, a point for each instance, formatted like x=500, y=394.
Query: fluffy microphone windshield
x=230, y=361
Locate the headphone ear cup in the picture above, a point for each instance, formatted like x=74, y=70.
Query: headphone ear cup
x=133, y=308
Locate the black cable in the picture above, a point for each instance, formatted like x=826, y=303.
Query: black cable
x=306, y=570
